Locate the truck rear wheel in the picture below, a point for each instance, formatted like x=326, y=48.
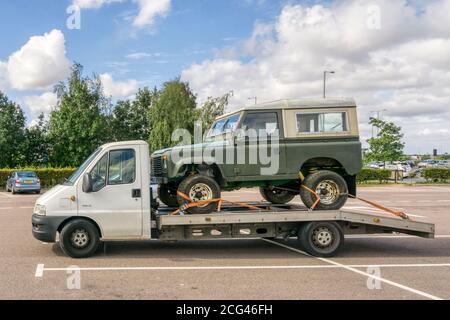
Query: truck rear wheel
x=79, y=239
x=168, y=195
x=321, y=239
x=276, y=196
x=199, y=188
x=331, y=188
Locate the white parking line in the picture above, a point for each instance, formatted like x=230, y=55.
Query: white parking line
x=41, y=268
x=349, y=268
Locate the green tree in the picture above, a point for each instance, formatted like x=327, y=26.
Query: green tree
x=130, y=118
x=388, y=144
x=211, y=109
x=175, y=108
x=79, y=123
x=36, y=146
x=12, y=132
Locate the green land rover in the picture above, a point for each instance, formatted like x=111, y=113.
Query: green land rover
x=286, y=148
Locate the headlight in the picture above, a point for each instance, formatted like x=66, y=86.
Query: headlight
x=165, y=160
x=39, y=209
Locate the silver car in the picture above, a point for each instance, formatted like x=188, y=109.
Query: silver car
x=23, y=181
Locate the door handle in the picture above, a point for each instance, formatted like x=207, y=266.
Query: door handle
x=136, y=193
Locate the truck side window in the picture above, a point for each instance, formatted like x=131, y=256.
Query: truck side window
x=263, y=123
x=122, y=167
x=98, y=174
x=322, y=122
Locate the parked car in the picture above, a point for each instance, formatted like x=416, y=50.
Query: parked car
x=319, y=139
x=427, y=163
x=23, y=181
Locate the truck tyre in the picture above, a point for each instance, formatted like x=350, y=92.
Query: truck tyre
x=198, y=188
x=331, y=188
x=321, y=239
x=79, y=239
x=168, y=195
x=276, y=196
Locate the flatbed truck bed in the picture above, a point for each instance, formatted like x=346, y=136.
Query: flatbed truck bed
x=282, y=221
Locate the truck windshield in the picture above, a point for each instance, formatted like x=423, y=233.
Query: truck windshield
x=71, y=180
x=223, y=126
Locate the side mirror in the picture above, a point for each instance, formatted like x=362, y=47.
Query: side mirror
x=87, y=183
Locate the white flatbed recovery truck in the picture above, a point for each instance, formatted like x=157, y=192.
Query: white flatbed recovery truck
x=118, y=205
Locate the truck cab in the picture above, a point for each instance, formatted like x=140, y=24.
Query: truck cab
x=107, y=197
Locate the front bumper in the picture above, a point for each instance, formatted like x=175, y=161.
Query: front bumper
x=44, y=228
x=159, y=180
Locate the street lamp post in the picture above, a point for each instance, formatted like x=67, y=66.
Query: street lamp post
x=325, y=82
x=378, y=112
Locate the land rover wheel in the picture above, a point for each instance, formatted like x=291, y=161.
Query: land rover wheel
x=79, y=239
x=199, y=188
x=331, y=188
x=321, y=239
x=168, y=195
x=276, y=196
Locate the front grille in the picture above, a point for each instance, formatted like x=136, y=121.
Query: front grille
x=157, y=167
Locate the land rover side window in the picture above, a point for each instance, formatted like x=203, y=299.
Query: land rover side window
x=122, y=167
x=263, y=123
x=231, y=123
x=322, y=122
x=98, y=174
x=217, y=128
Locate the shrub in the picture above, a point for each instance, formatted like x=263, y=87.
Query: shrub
x=380, y=175
x=49, y=176
x=436, y=174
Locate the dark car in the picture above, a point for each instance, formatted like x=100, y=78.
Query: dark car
x=23, y=181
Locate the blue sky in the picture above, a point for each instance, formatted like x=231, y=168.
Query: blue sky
x=388, y=55
x=192, y=31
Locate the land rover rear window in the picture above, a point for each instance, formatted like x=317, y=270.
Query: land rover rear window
x=326, y=122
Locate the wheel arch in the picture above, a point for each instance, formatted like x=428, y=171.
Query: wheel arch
x=65, y=222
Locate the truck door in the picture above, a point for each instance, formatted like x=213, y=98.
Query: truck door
x=116, y=201
x=265, y=124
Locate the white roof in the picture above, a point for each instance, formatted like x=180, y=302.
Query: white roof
x=124, y=143
x=304, y=103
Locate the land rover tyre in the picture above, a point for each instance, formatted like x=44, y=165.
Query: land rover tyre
x=321, y=239
x=199, y=188
x=276, y=196
x=331, y=188
x=168, y=195
x=79, y=238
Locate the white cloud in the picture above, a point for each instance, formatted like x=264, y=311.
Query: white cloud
x=93, y=4
x=118, y=89
x=142, y=55
x=3, y=76
x=40, y=63
x=40, y=103
x=402, y=67
x=149, y=10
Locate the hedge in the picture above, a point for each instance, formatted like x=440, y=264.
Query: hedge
x=380, y=175
x=49, y=176
x=436, y=174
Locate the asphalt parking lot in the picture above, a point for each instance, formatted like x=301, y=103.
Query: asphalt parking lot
x=406, y=267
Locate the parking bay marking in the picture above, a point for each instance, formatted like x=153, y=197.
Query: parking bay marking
x=40, y=268
x=353, y=269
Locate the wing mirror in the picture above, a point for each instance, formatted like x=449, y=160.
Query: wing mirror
x=87, y=183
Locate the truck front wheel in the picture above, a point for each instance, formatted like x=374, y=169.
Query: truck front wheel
x=331, y=188
x=276, y=196
x=321, y=239
x=79, y=239
x=199, y=188
x=168, y=195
